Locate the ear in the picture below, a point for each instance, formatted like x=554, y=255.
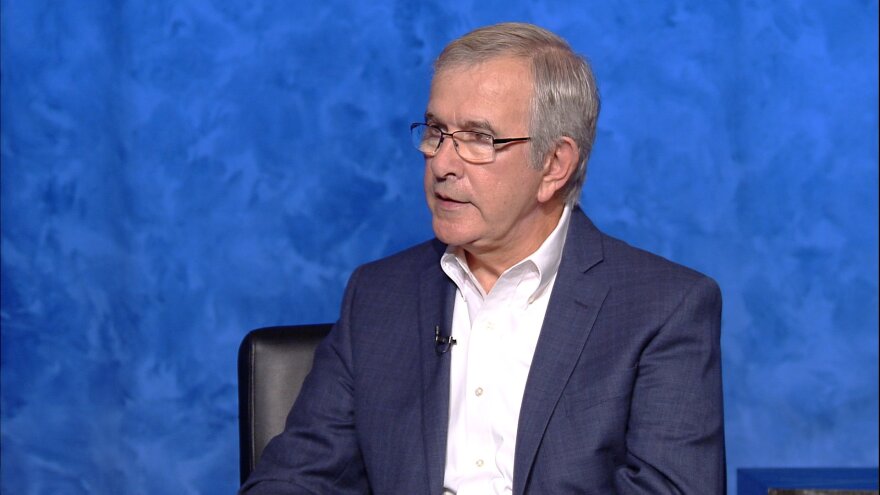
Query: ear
x=559, y=165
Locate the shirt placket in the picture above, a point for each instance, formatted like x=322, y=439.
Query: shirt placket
x=479, y=391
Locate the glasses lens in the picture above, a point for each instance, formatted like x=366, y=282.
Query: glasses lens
x=475, y=146
x=425, y=138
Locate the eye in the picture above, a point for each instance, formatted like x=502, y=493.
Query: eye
x=474, y=137
x=432, y=131
x=484, y=138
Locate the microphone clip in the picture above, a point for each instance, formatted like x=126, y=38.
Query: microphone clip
x=442, y=343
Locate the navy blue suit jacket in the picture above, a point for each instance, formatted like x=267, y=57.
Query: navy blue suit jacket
x=623, y=396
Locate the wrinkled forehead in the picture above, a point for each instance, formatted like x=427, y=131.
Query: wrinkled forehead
x=499, y=88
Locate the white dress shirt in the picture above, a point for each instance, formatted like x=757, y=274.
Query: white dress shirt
x=496, y=335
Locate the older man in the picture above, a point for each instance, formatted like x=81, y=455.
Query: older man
x=522, y=351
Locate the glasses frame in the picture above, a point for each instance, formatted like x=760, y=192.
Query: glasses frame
x=444, y=134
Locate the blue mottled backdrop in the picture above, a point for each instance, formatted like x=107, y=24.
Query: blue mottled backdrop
x=175, y=173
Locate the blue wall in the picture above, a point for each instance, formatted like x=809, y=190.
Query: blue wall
x=175, y=173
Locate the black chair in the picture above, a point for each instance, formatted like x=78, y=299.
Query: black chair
x=272, y=364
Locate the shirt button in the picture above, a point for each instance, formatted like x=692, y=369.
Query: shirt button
x=479, y=463
x=478, y=392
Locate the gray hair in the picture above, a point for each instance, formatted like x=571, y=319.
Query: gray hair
x=565, y=100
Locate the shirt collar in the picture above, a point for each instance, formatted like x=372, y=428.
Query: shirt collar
x=545, y=260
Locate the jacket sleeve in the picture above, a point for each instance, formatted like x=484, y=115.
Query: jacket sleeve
x=675, y=433
x=318, y=451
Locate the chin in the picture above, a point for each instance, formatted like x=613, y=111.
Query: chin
x=450, y=234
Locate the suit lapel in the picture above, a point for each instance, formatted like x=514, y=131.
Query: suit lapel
x=436, y=302
x=571, y=312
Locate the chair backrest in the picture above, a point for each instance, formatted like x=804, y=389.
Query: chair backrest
x=272, y=364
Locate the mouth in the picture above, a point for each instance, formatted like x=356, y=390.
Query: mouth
x=443, y=197
x=448, y=202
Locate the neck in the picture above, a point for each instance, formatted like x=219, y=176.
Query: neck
x=487, y=266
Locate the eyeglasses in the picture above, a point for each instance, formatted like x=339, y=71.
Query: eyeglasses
x=475, y=147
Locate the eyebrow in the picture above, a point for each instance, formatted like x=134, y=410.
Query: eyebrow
x=468, y=125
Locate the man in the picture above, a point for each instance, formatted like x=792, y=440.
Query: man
x=522, y=350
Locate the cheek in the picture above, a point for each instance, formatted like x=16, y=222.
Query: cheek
x=426, y=184
x=500, y=194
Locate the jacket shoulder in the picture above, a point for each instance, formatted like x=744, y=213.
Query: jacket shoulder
x=407, y=263
x=622, y=255
x=622, y=262
x=627, y=265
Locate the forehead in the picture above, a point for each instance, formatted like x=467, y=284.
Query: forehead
x=498, y=91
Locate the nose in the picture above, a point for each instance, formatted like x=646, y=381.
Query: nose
x=446, y=162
